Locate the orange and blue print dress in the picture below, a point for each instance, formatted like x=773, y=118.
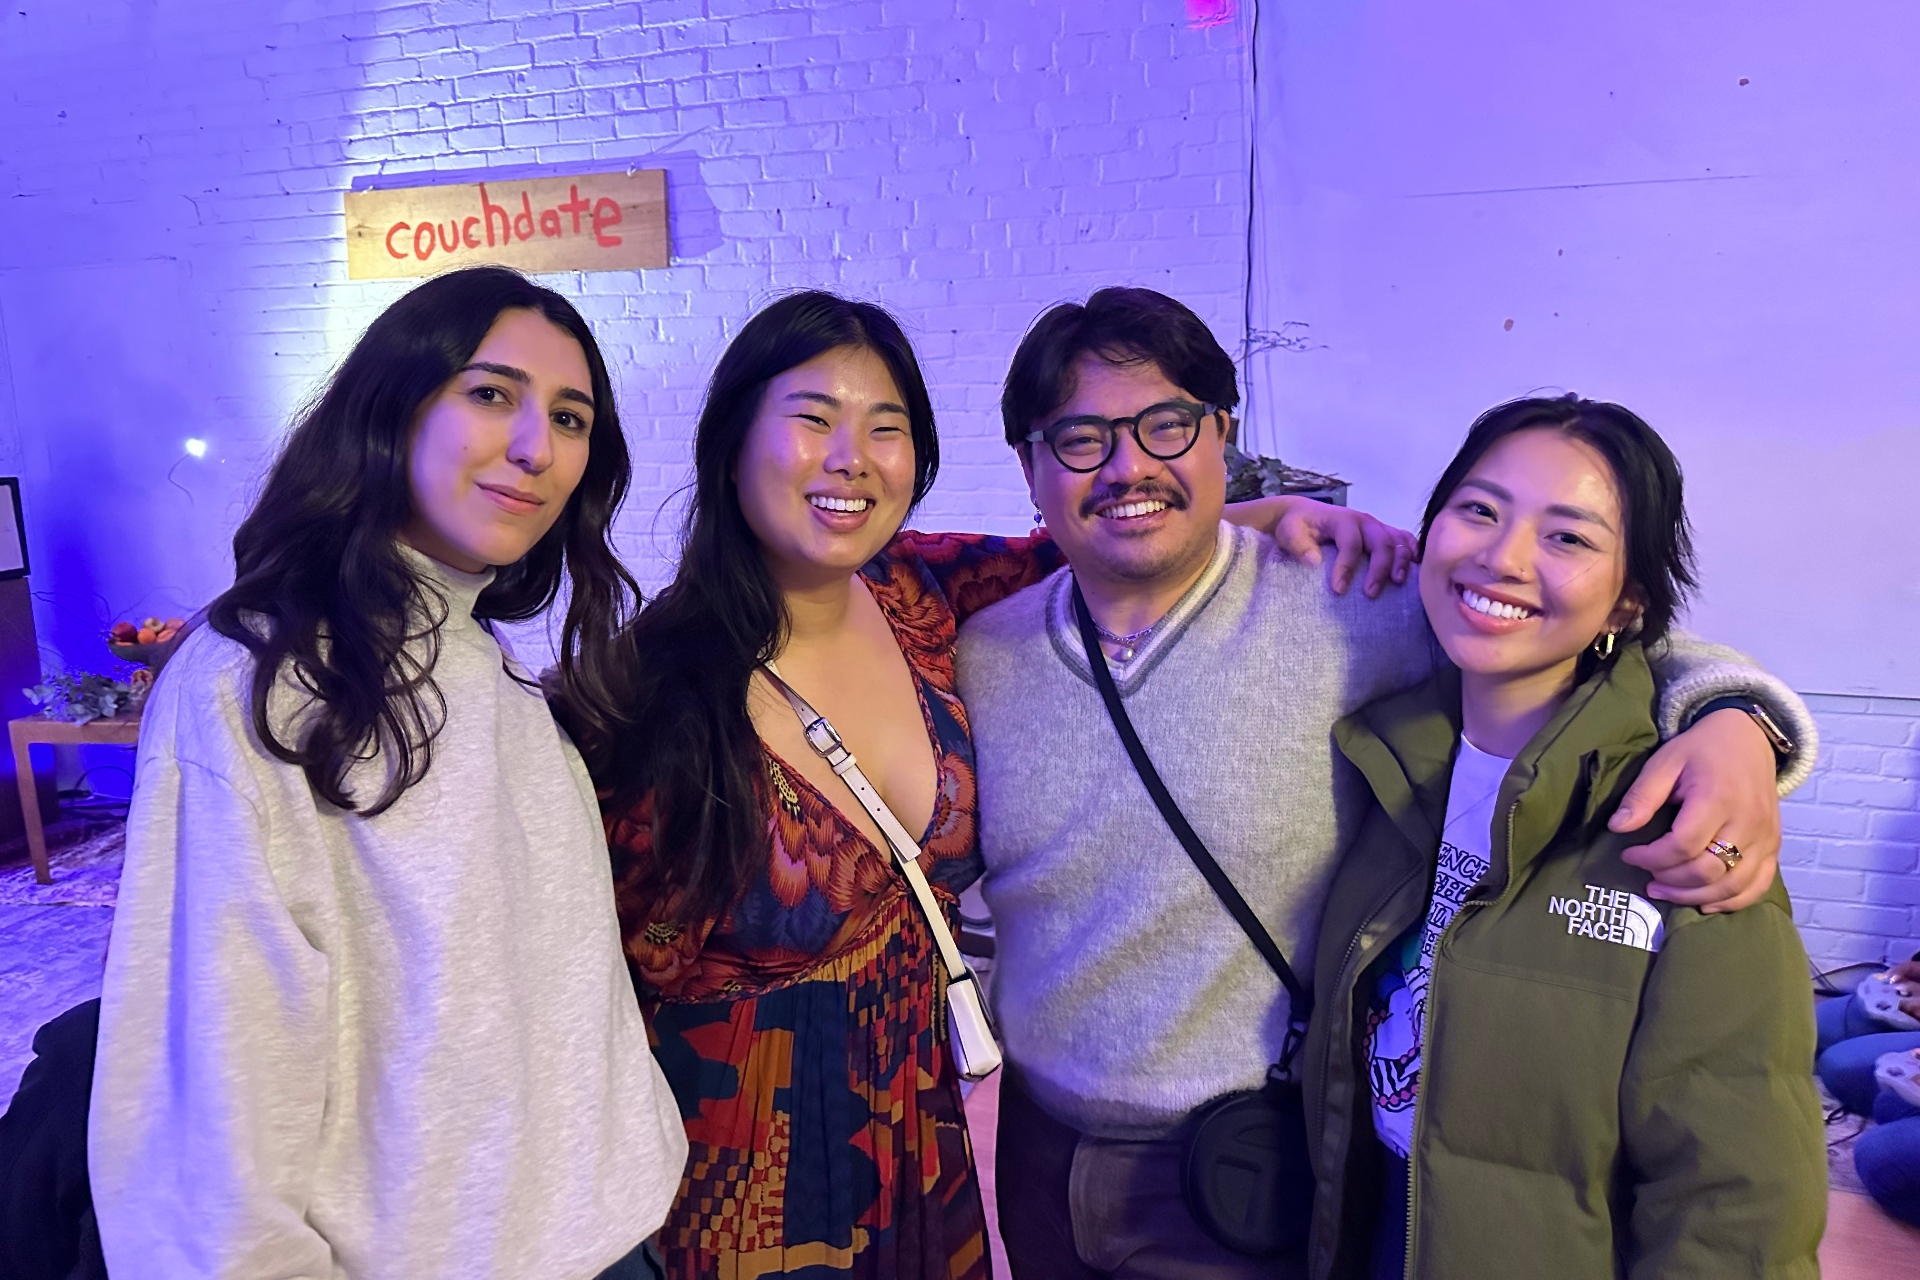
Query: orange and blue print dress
x=802, y=1031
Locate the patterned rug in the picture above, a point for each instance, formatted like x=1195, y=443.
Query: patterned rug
x=1843, y=1130
x=84, y=853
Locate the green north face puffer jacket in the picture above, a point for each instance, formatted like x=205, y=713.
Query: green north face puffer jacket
x=1589, y=1108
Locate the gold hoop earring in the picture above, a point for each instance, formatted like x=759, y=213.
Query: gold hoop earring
x=1603, y=645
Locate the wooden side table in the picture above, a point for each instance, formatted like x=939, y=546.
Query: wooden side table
x=119, y=731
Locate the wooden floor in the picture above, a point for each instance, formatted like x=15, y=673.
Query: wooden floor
x=1865, y=1244
x=1862, y=1243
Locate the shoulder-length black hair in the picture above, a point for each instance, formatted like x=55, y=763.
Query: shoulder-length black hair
x=320, y=584
x=677, y=725
x=1658, y=541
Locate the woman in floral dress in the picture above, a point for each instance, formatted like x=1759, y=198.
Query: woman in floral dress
x=800, y=1029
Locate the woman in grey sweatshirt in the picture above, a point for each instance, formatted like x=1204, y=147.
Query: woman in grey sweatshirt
x=365, y=1010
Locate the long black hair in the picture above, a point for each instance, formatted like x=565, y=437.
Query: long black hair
x=320, y=583
x=678, y=727
x=1657, y=537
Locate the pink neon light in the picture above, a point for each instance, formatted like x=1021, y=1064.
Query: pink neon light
x=1210, y=13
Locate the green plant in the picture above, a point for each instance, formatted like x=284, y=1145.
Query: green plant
x=80, y=698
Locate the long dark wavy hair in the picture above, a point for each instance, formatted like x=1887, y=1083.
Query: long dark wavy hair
x=321, y=589
x=678, y=727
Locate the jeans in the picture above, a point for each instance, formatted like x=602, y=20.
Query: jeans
x=1076, y=1207
x=1887, y=1158
x=1390, y=1228
x=1849, y=1044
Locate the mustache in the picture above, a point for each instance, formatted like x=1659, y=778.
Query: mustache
x=1113, y=495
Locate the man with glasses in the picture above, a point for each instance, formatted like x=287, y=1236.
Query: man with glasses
x=1126, y=993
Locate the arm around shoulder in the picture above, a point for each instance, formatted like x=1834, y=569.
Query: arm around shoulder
x=974, y=570
x=214, y=1045
x=1691, y=672
x=1721, y=1128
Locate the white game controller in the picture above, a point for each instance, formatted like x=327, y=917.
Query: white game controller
x=1880, y=996
x=1899, y=1073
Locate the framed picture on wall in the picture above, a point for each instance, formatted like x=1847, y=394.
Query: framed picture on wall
x=13, y=530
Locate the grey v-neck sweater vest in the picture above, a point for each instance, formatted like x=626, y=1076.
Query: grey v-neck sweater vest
x=1126, y=993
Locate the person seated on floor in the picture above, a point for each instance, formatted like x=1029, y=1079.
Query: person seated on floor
x=1881, y=1016
x=1887, y=1156
x=1525, y=1064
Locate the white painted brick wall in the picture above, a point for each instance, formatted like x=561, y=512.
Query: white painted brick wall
x=964, y=162
x=1852, y=848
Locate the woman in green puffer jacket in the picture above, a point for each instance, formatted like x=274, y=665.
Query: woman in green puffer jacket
x=1521, y=1066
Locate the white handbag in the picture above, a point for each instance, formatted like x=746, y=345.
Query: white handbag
x=976, y=1051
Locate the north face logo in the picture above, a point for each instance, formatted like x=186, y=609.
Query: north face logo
x=1612, y=915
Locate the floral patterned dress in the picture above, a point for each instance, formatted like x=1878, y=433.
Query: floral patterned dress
x=802, y=1032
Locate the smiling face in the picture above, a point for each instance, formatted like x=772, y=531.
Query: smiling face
x=499, y=449
x=1138, y=520
x=1525, y=563
x=825, y=474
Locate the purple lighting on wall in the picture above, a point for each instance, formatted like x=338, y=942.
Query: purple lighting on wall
x=1210, y=13
x=1074, y=147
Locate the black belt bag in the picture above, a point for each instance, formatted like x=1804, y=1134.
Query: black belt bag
x=1246, y=1174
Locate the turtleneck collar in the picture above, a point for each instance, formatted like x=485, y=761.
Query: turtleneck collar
x=462, y=590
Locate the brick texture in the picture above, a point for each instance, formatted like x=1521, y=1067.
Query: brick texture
x=963, y=162
x=1851, y=855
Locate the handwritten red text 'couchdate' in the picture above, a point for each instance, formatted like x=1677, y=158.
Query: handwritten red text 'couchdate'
x=427, y=238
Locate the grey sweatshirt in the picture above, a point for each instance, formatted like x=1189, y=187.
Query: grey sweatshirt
x=403, y=1046
x=1126, y=993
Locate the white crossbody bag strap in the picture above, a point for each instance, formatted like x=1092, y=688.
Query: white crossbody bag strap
x=825, y=741
x=976, y=1049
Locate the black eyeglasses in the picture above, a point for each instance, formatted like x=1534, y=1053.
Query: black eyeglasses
x=1164, y=431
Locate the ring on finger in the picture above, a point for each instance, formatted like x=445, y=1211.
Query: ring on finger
x=1727, y=853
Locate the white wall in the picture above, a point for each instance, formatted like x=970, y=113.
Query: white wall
x=171, y=259
x=1705, y=211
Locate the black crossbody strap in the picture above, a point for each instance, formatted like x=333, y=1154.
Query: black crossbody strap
x=1301, y=999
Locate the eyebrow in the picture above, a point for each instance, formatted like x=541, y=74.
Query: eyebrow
x=524, y=378
x=1158, y=404
x=1561, y=509
x=821, y=397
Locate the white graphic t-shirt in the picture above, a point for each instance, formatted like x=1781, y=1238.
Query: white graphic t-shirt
x=1399, y=1007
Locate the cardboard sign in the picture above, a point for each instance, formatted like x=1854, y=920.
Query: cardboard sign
x=596, y=222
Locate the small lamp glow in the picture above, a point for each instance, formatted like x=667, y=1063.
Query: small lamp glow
x=196, y=447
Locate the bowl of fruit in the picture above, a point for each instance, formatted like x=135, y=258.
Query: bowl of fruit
x=149, y=642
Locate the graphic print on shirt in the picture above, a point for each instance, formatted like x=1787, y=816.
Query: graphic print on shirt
x=1394, y=1056
x=1397, y=1018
